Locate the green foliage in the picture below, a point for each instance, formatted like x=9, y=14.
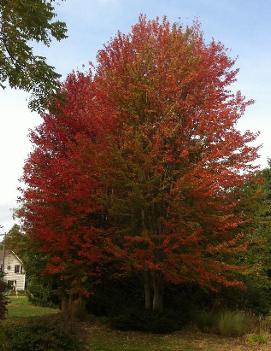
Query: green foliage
x=147, y=321
x=39, y=334
x=24, y=21
x=16, y=241
x=226, y=323
x=234, y=323
x=19, y=307
x=265, y=323
x=108, y=301
x=256, y=296
x=255, y=201
x=109, y=294
x=260, y=338
x=40, y=292
x=3, y=299
x=206, y=321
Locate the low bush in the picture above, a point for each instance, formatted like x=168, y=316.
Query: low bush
x=41, y=334
x=108, y=296
x=227, y=323
x=234, y=323
x=3, y=298
x=260, y=338
x=160, y=323
x=264, y=323
x=206, y=321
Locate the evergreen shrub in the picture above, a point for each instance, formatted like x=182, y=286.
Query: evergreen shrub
x=41, y=334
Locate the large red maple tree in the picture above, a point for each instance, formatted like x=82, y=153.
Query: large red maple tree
x=142, y=164
x=178, y=159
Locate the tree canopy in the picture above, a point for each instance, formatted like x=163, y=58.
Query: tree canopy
x=143, y=164
x=23, y=22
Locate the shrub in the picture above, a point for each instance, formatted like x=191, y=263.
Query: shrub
x=41, y=334
x=206, y=321
x=234, y=323
x=41, y=294
x=227, y=323
x=264, y=323
x=109, y=295
x=3, y=299
x=260, y=338
x=154, y=322
x=255, y=297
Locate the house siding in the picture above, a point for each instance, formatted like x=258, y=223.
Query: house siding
x=10, y=262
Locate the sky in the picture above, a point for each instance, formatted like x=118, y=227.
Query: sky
x=243, y=26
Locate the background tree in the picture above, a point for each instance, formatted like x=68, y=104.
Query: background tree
x=254, y=201
x=22, y=22
x=41, y=289
x=15, y=240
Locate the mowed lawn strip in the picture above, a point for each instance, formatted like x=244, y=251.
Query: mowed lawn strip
x=19, y=307
x=102, y=338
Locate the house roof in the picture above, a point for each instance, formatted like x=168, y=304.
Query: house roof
x=7, y=252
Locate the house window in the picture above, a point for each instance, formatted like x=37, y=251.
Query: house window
x=17, y=268
x=8, y=267
x=1, y=268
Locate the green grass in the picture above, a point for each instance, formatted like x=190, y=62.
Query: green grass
x=102, y=338
x=19, y=307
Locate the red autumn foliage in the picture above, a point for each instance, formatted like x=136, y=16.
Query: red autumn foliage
x=143, y=162
x=179, y=159
x=60, y=210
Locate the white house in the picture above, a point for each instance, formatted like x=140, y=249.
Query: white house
x=14, y=273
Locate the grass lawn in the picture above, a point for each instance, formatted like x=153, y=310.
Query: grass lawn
x=102, y=338
x=19, y=307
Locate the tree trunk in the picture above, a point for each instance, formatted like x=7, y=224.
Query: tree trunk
x=161, y=300
x=78, y=308
x=64, y=305
x=157, y=303
x=65, y=311
x=147, y=290
x=71, y=307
